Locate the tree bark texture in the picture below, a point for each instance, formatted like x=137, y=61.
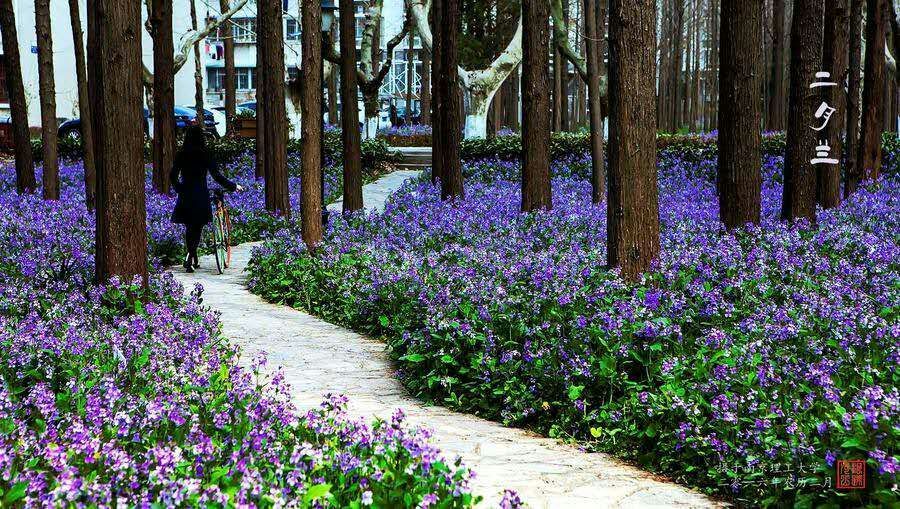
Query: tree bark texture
x=198, y=72
x=632, y=204
x=775, y=114
x=851, y=171
x=451, y=99
x=15, y=88
x=740, y=113
x=594, y=26
x=163, y=95
x=425, y=117
x=47, y=92
x=310, y=156
x=799, y=195
x=272, y=104
x=353, y=199
x=869, y=157
x=438, y=163
x=536, y=192
x=114, y=50
x=836, y=45
x=84, y=106
x=230, y=81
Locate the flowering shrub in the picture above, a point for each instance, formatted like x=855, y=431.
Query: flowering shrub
x=746, y=363
x=415, y=135
x=120, y=396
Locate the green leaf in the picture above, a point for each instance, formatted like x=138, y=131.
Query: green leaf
x=316, y=492
x=17, y=492
x=575, y=391
x=413, y=357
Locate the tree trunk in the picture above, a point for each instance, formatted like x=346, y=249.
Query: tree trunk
x=632, y=204
x=851, y=172
x=333, y=115
x=512, y=105
x=799, y=197
x=594, y=31
x=740, y=114
x=163, y=95
x=438, y=163
x=47, y=90
x=410, y=78
x=536, y=192
x=115, y=87
x=230, y=85
x=272, y=102
x=426, y=87
x=198, y=72
x=353, y=199
x=775, y=114
x=451, y=101
x=15, y=88
x=834, y=60
x=311, y=125
x=677, y=62
x=873, y=92
x=84, y=106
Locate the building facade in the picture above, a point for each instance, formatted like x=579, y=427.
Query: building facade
x=242, y=27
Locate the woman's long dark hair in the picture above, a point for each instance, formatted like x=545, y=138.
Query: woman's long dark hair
x=193, y=153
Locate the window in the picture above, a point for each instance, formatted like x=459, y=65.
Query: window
x=244, y=78
x=293, y=30
x=293, y=73
x=244, y=30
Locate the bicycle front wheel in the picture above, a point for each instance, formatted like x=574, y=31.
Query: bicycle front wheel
x=218, y=240
x=226, y=230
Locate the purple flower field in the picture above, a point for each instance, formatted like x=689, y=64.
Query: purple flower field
x=118, y=396
x=745, y=364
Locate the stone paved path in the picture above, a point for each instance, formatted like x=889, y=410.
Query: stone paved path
x=319, y=358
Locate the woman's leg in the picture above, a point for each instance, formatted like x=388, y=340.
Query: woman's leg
x=192, y=237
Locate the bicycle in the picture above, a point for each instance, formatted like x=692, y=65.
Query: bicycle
x=221, y=232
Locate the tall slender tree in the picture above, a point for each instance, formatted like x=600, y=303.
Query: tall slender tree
x=114, y=50
x=410, y=76
x=740, y=113
x=594, y=27
x=353, y=199
x=438, y=162
x=227, y=36
x=160, y=23
x=15, y=88
x=835, y=54
x=47, y=91
x=869, y=157
x=633, y=201
x=775, y=114
x=536, y=193
x=84, y=106
x=425, y=100
x=311, y=125
x=198, y=71
x=273, y=146
x=851, y=171
x=451, y=100
x=799, y=194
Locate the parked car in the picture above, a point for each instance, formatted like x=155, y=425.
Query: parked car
x=72, y=128
x=238, y=110
x=250, y=105
x=184, y=117
x=213, y=121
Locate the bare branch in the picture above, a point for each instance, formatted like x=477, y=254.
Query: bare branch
x=191, y=38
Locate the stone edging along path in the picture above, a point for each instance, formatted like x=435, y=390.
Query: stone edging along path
x=318, y=358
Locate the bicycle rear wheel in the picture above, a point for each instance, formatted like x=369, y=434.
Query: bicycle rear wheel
x=227, y=236
x=218, y=240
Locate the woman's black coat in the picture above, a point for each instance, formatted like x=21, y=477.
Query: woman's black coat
x=193, y=205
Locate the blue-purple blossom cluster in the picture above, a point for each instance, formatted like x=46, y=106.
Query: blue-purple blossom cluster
x=744, y=362
x=117, y=395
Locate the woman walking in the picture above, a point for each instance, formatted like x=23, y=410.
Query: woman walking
x=193, y=208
